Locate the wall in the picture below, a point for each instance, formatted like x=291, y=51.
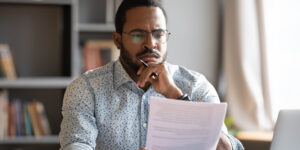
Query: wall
x=194, y=40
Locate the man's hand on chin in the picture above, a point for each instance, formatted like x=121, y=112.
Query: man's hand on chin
x=224, y=143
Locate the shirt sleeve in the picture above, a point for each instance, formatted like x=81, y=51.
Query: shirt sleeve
x=77, y=146
x=235, y=143
x=78, y=127
x=203, y=91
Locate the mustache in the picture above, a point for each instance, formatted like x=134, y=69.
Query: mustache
x=148, y=51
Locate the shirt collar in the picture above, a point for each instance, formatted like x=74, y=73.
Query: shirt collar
x=120, y=75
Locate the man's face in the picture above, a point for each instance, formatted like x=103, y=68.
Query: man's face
x=137, y=41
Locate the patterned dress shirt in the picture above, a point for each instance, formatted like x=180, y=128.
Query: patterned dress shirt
x=105, y=109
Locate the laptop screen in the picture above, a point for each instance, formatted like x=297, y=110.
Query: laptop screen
x=287, y=131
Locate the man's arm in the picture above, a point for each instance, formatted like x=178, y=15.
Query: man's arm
x=202, y=90
x=78, y=127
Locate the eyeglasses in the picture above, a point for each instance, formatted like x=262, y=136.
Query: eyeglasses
x=139, y=36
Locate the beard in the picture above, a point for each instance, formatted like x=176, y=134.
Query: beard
x=129, y=60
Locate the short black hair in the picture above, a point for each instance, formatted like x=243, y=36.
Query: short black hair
x=126, y=5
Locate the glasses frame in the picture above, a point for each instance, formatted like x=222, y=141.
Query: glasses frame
x=139, y=30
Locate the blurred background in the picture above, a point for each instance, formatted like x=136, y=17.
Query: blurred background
x=248, y=49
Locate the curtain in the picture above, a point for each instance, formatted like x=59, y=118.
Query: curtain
x=245, y=65
x=282, y=28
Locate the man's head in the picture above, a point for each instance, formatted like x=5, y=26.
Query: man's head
x=126, y=5
x=141, y=32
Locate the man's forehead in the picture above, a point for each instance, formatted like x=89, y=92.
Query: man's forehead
x=141, y=17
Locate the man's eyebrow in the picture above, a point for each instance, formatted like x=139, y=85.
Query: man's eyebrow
x=137, y=30
x=141, y=30
x=158, y=30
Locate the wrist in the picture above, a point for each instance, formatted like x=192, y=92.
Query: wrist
x=173, y=93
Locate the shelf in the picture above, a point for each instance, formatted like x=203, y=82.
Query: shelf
x=58, y=82
x=101, y=27
x=54, y=139
x=38, y=1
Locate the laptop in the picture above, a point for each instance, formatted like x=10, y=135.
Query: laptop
x=287, y=131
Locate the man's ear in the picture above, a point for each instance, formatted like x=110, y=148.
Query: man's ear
x=117, y=39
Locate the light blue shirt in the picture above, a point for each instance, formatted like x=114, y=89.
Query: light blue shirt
x=105, y=109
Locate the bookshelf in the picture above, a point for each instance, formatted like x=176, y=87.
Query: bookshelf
x=96, y=27
x=25, y=83
x=46, y=39
x=31, y=140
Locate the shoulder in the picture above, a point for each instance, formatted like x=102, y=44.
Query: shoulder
x=99, y=72
x=93, y=76
x=182, y=73
x=193, y=83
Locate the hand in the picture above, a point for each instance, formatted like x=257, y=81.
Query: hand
x=163, y=83
x=224, y=143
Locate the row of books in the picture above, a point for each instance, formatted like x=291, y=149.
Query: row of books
x=97, y=53
x=7, y=67
x=19, y=118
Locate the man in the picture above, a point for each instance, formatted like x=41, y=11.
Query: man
x=107, y=108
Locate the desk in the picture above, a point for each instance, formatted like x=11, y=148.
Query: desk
x=255, y=140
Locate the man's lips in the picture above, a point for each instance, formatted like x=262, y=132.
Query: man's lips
x=149, y=57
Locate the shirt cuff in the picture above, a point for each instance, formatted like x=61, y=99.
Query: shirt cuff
x=77, y=146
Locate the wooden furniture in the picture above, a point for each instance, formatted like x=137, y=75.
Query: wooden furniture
x=255, y=140
x=45, y=37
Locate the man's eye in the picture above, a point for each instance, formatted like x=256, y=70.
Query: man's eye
x=138, y=36
x=158, y=35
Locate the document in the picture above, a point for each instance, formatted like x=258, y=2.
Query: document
x=184, y=125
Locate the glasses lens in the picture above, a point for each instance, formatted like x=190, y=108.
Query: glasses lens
x=137, y=36
x=160, y=36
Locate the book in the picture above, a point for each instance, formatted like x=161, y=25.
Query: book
x=91, y=57
x=3, y=114
x=7, y=63
x=34, y=119
x=11, y=121
x=40, y=122
x=44, y=120
x=27, y=122
x=17, y=116
x=1, y=70
x=97, y=53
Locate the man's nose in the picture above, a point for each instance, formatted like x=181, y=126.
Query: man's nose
x=150, y=42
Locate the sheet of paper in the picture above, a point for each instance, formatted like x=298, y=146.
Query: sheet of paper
x=184, y=125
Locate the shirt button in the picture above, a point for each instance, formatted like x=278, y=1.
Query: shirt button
x=143, y=97
x=145, y=125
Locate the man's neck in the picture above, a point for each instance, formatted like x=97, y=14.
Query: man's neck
x=131, y=72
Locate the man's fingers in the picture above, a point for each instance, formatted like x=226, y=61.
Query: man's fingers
x=148, y=74
x=154, y=75
x=141, y=69
x=145, y=76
